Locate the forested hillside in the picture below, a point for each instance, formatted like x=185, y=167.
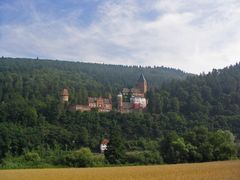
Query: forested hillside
x=211, y=99
x=188, y=119
x=41, y=78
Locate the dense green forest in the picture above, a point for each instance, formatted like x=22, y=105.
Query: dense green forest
x=189, y=118
x=43, y=78
x=211, y=99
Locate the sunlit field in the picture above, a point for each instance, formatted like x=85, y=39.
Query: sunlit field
x=211, y=170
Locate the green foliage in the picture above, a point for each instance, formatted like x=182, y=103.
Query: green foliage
x=144, y=157
x=12, y=162
x=223, y=145
x=80, y=158
x=211, y=99
x=29, y=160
x=174, y=148
x=99, y=160
x=32, y=156
x=115, y=153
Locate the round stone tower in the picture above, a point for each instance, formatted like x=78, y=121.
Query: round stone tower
x=64, y=95
x=120, y=101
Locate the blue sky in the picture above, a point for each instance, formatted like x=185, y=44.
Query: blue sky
x=194, y=36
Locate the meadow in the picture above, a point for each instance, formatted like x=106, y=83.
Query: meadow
x=210, y=170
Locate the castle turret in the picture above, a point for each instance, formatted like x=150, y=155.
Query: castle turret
x=110, y=97
x=120, y=101
x=142, y=84
x=64, y=95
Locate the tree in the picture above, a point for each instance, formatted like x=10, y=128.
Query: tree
x=173, y=148
x=115, y=153
x=223, y=145
x=199, y=138
x=4, y=140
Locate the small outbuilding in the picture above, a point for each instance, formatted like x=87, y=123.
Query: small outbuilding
x=103, y=145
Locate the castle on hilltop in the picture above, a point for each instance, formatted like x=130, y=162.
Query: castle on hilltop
x=128, y=100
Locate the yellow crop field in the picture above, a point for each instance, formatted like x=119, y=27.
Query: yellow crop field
x=212, y=170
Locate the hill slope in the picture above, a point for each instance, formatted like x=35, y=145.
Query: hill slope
x=212, y=99
x=39, y=78
x=186, y=121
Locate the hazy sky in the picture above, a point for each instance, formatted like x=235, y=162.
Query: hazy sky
x=192, y=35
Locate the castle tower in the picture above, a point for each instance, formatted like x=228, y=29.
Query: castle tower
x=120, y=101
x=110, y=97
x=64, y=95
x=142, y=84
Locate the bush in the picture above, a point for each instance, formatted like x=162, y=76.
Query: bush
x=135, y=157
x=224, y=147
x=144, y=157
x=153, y=157
x=80, y=158
x=32, y=156
x=29, y=160
x=99, y=160
x=11, y=162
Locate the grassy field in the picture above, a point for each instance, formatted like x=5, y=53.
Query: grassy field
x=212, y=170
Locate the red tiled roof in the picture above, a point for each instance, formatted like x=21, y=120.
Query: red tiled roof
x=65, y=92
x=105, y=141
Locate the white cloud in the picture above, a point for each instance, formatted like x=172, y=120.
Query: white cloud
x=194, y=36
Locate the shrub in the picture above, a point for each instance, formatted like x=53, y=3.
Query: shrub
x=99, y=160
x=32, y=156
x=144, y=157
x=80, y=158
